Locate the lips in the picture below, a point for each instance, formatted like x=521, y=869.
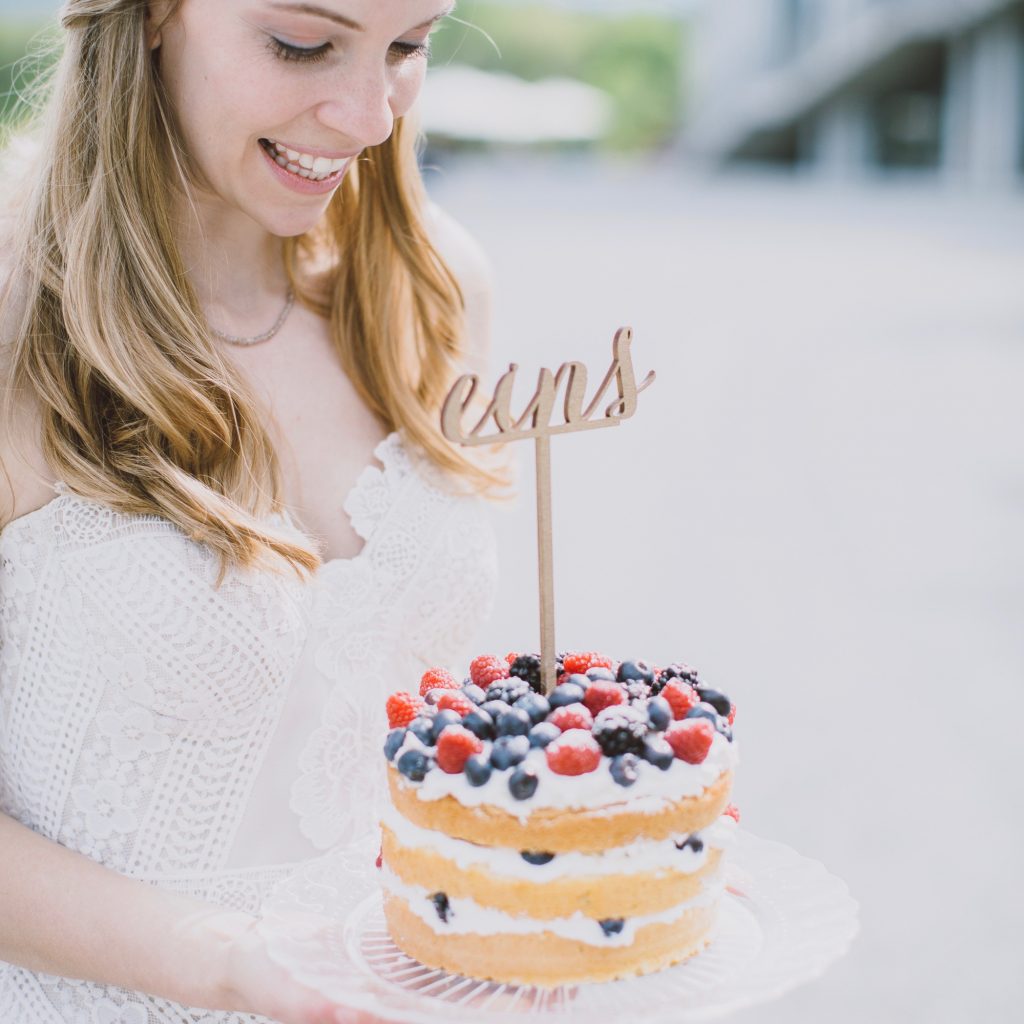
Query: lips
x=303, y=164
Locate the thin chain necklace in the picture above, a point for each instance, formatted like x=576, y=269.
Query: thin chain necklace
x=234, y=339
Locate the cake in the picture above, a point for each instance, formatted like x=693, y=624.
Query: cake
x=549, y=840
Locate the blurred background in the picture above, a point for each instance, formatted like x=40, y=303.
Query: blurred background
x=812, y=214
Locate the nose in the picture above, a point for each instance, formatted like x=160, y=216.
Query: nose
x=359, y=107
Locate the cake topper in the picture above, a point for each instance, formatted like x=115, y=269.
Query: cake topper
x=536, y=422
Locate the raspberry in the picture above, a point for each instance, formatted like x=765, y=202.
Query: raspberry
x=621, y=730
x=732, y=718
x=437, y=679
x=681, y=697
x=454, y=746
x=602, y=694
x=574, y=753
x=487, y=669
x=691, y=739
x=581, y=662
x=452, y=701
x=734, y=812
x=380, y=858
x=402, y=708
x=510, y=657
x=572, y=716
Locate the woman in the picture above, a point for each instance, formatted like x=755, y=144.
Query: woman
x=227, y=307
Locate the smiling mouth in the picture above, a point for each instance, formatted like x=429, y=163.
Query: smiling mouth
x=303, y=165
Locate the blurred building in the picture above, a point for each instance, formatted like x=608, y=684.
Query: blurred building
x=853, y=87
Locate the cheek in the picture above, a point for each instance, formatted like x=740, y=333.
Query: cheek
x=407, y=88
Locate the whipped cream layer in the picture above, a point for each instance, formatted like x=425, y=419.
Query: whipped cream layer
x=467, y=917
x=654, y=789
x=643, y=856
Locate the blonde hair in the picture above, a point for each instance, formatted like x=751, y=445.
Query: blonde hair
x=140, y=409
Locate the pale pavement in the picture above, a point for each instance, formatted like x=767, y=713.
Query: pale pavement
x=819, y=503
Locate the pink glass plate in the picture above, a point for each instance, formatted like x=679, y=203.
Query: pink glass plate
x=783, y=920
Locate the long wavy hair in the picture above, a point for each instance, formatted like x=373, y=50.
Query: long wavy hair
x=140, y=409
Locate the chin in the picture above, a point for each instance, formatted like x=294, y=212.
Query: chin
x=292, y=223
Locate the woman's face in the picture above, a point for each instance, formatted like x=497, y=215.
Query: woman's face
x=275, y=98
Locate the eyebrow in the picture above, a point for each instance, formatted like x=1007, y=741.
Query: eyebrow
x=324, y=12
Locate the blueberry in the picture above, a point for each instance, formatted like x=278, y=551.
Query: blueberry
x=414, y=765
x=423, y=729
x=514, y=722
x=658, y=752
x=480, y=724
x=441, y=905
x=508, y=751
x=394, y=740
x=635, y=670
x=624, y=769
x=535, y=705
x=612, y=925
x=704, y=710
x=443, y=719
x=693, y=842
x=474, y=693
x=593, y=674
x=659, y=713
x=478, y=769
x=543, y=733
x=494, y=707
x=532, y=857
x=522, y=782
x=715, y=698
x=565, y=694
x=580, y=679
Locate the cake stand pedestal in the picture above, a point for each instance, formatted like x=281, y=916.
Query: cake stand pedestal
x=783, y=920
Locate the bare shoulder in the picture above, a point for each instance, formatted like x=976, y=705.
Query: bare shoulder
x=472, y=269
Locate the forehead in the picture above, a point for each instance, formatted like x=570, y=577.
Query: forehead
x=361, y=15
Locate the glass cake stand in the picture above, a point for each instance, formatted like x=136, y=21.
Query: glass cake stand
x=783, y=920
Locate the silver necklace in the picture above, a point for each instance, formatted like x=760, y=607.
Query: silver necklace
x=234, y=339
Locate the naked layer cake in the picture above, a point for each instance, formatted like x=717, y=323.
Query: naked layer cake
x=548, y=840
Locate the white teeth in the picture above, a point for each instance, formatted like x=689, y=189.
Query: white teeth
x=304, y=164
x=321, y=165
x=294, y=168
x=293, y=155
x=336, y=165
x=303, y=173
x=305, y=160
x=280, y=161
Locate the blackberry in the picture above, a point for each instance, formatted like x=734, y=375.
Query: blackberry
x=414, y=765
x=612, y=925
x=522, y=783
x=527, y=667
x=636, y=690
x=477, y=769
x=693, y=842
x=508, y=690
x=508, y=751
x=532, y=857
x=716, y=699
x=659, y=713
x=620, y=730
x=535, y=705
x=676, y=670
x=394, y=740
x=514, y=722
x=441, y=905
x=480, y=724
x=543, y=733
x=624, y=769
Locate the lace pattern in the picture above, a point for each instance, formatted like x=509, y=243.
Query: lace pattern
x=138, y=701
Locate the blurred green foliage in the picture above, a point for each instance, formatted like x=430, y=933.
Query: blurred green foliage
x=25, y=50
x=635, y=58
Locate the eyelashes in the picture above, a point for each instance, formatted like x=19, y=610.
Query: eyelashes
x=314, y=54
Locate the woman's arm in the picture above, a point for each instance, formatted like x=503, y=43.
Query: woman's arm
x=64, y=914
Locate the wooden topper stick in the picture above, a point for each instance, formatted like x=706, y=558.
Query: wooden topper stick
x=535, y=422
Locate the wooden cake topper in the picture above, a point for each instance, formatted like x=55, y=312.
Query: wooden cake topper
x=535, y=422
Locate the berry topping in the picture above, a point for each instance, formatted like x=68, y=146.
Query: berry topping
x=659, y=752
x=544, y=733
x=474, y=693
x=621, y=730
x=441, y=905
x=732, y=712
x=532, y=857
x=437, y=679
x=514, y=722
x=508, y=751
x=706, y=711
x=535, y=705
x=522, y=782
x=733, y=812
x=479, y=723
x=487, y=669
x=454, y=747
x=691, y=739
x=681, y=696
x=574, y=753
x=572, y=716
x=423, y=729
x=453, y=700
x=659, y=713
x=444, y=720
x=510, y=658
x=495, y=707
x=414, y=765
x=393, y=742
x=694, y=843
x=508, y=690
x=527, y=667
x=623, y=769
x=478, y=769
x=636, y=670
x=674, y=671
x=601, y=673
x=566, y=693
x=612, y=925
x=402, y=708
x=581, y=662
x=603, y=694
x=715, y=698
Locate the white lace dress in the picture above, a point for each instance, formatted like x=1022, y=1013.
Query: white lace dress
x=208, y=740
